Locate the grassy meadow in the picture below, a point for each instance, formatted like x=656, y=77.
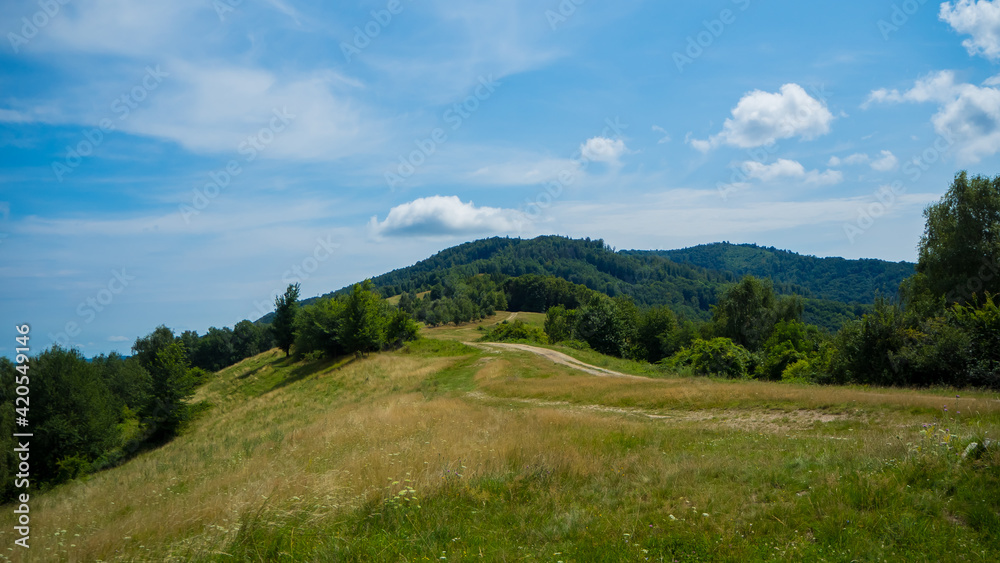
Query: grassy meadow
x=445, y=452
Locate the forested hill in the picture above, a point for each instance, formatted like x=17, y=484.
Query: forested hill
x=835, y=279
x=689, y=280
x=649, y=280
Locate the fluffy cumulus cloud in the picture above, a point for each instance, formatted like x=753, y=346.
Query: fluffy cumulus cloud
x=603, y=149
x=978, y=18
x=446, y=215
x=967, y=114
x=761, y=118
x=885, y=162
x=784, y=168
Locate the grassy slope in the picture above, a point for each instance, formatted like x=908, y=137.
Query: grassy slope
x=441, y=450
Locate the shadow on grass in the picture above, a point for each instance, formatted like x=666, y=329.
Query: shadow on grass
x=306, y=369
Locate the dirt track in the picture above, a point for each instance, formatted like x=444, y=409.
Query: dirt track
x=557, y=357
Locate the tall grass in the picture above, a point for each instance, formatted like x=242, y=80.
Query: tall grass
x=390, y=458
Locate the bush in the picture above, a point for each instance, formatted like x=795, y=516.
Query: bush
x=517, y=330
x=719, y=356
x=982, y=324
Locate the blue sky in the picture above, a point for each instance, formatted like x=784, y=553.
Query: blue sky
x=180, y=162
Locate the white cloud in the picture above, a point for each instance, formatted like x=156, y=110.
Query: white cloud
x=978, y=18
x=784, y=168
x=603, y=149
x=445, y=215
x=666, y=136
x=887, y=162
x=761, y=118
x=215, y=109
x=852, y=160
x=526, y=172
x=968, y=114
x=118, y=339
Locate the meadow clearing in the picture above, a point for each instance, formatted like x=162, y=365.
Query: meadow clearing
x=444, y=451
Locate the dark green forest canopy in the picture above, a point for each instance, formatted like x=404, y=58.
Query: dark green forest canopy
x=834, y=279
x=688, y=280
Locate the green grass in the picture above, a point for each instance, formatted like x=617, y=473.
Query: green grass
x=444, y=450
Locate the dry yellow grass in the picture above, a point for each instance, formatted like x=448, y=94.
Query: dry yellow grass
x=354, y=431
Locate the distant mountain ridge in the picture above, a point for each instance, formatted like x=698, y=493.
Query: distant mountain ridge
x=689, y=280
x=835, y=279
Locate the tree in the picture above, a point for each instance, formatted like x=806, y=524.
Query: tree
x=283, y=325
x=319, y=328
x=747, y=313
x=72, y=416
x=656, y=334
x=959, y=253
x=248, y=339
x=559, y=323
x=172, y=383
x=364, y=326
x=400, y=328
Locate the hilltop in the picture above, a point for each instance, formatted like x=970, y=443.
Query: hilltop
x=444, y=450
x=688, y=280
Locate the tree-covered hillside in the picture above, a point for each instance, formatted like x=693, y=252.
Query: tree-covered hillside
x=835, y=290
x=835, y=279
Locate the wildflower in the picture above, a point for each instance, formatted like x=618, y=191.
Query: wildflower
x=672, y=517
x=705, y=514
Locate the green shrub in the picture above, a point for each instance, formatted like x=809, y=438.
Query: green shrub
x=719, y=356
x=517, y=330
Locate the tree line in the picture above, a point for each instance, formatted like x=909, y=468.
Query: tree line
x=91, y=414
x=941, y=328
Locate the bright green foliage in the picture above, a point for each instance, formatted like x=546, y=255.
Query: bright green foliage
x=319, y=328
x=719, y=356
x=400, y=328
x=363, y=321
x=789, y=343
x=283, y=326
x=359, y=323
x=560, y=323
x=515, y=331
x=982, y=325
x=959, y=253
x=747, y=313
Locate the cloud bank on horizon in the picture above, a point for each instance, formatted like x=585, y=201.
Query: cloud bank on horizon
x=209, y=152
